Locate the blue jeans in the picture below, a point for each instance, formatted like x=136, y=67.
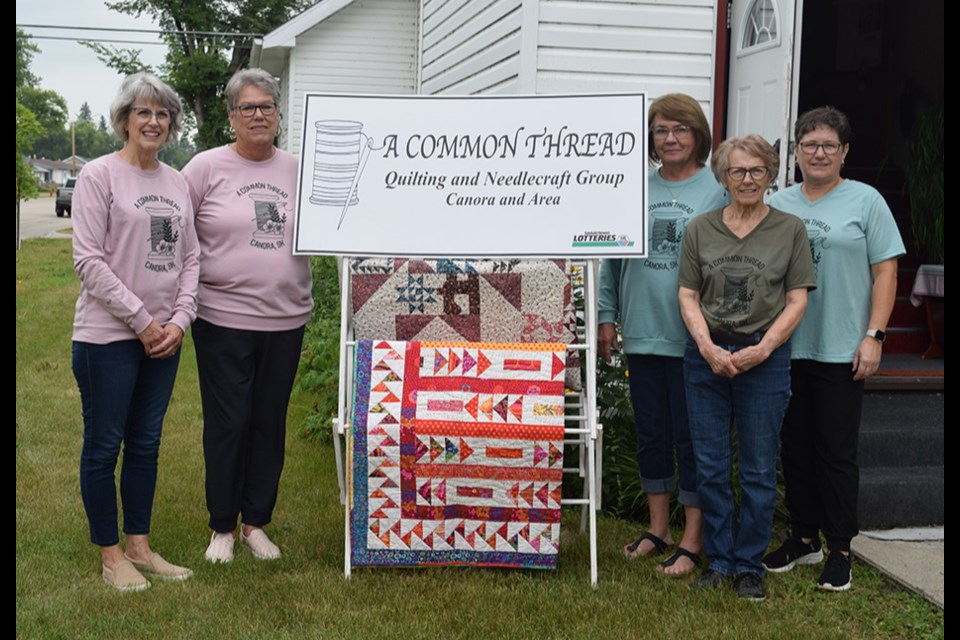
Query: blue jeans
x=755, y=403
x=124, y=395
x=660, y=417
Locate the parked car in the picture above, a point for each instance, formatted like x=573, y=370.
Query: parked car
x=65, y=197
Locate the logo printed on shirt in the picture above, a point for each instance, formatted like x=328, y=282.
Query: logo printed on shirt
x=165, y=224
x=269, y=208
x=740, y=276
x=818, y=234
x=668, y=220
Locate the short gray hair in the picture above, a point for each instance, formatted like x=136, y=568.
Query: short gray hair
x=251, y=77
x=145, y=86
x=754, y=145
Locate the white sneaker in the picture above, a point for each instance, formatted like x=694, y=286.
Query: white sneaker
x=260, y=545
x=220, y=548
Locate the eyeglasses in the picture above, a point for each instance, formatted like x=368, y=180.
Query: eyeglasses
x=679, y=131
x=810, y=148
x=162, y=115
x=739, y=173
x=266, y=109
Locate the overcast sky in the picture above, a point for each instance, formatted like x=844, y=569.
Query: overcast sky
x=73, y=70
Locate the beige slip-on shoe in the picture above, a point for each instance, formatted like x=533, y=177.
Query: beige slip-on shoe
x=125, y=577
x=157, y=567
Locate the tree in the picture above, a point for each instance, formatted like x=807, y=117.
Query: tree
x=47, y=109
x=90, y=141
x=50, y=110
x=49, y=106
x=53, y=144
x=85, y=113
x=123, y=61
x=28, y=130
x=25, y=52
x=198, y=66
x=177, y=154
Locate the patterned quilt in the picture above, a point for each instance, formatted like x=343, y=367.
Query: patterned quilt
x=457, y=454
x=466, y=301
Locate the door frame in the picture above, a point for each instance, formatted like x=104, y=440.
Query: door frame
x=721, y=90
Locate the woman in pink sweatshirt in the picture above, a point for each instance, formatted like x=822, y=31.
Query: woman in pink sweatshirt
x=136, y=253
x=255, y=298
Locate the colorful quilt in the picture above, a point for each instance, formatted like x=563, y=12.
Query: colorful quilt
x=457, y=454
x=466, y=301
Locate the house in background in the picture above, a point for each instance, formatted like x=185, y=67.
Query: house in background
x=53, y=171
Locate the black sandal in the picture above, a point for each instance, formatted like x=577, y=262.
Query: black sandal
x=672, y=560
x=659, y=544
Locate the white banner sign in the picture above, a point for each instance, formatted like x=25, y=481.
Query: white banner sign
x=477, y=176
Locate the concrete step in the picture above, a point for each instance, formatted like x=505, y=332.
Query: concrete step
x=901, y=459
x=904, y=429
x=901, y=496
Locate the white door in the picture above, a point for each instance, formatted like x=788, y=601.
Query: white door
x=764, y=72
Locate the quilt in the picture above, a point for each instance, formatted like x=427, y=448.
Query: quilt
x=457, y=454
x=466, y=301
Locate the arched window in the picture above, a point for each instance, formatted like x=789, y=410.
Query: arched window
x=761, y=27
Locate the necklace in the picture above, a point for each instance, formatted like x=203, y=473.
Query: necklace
x=666, y=183
x=673, y=195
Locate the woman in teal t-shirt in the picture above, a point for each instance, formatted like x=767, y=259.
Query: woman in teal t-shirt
x=642, y=295
x=854, y=243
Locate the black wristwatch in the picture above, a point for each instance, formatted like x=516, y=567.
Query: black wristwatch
x=877, y=335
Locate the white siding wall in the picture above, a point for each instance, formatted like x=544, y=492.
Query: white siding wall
x=657, y=46
x=286, y=93
x=470, y=46
x=370, y=46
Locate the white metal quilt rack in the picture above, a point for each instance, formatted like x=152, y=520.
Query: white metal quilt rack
x=582, y=430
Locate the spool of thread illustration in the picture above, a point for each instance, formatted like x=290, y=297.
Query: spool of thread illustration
x=163, y=237
x=736, y=295
x=341, y=152
x=666, y=234
x=269, y=219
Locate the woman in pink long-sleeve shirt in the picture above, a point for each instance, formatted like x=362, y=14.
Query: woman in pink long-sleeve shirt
x=136, y=253
x=255, y=299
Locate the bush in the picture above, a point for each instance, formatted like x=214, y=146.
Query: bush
x=622, y=495
x=320, y=361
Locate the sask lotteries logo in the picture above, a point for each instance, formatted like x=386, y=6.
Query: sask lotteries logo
x=601, y=239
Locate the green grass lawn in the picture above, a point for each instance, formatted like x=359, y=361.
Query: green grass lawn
x=60, y=593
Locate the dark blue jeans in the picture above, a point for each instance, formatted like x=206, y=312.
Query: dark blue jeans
x=660, y=416
x=124, y=395
x=754, y=402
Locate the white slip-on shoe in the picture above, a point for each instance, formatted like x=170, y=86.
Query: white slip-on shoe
x=220, y=548
x=260, y=545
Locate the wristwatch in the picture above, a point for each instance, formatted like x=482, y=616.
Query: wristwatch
x=877, y=335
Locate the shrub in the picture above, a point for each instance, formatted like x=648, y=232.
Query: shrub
x=320, y=361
